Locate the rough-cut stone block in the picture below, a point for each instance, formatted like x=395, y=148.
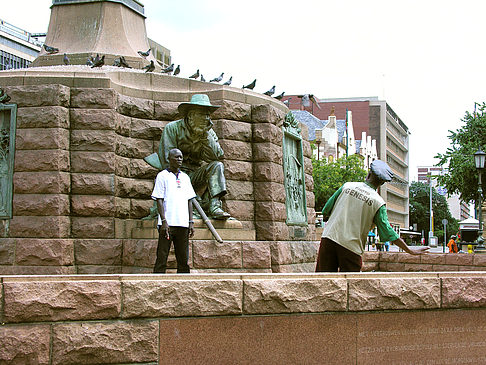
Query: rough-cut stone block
x=369, y=266
x=105, y=343
x=393, y=293
x=146, y=128
x=102, y=162
x=26, y=344
x=93, y=205
x=37, y=270
x=290, y=252
x=271, y=231
x=98, y=252
x=432, y=258
x=294, y=295
x=122, y=166
x=310, y=199
x=232, y=110
x=239, y=190
x=88, y=119
x=270, y=191
x=98, y=269
x=44, y=182
x=123, y=125
x=133, y=147
x=265, y=113
x=306, y=148
x=93, y=140
x=96, y=184
x=138, y=168
x=236, y=150
x=140, y=208
x=233, y=130
x=268, y=171
x=392, y=266
x=241, y=210
x=459, y=259
x=39, y=95
x=418, y=267
x=212, y=254
x=41, y=204
x=389, y=257
x=34, y=251
x=238, y=170
x=265, y=132
x=406, y=258
x=7, y=250
x=29, y=226
x=43, y=117
x=166, y=110
x=307, y=165
x=133, y=188
x=371, y=256
x=256, y=255
x=463, y=292
x=42, y=139
x=135, y=107
x=93, y=98
x=93, y=227
x=42, y=160
x=31, y=301
x=442, y=268
x=181, y=298
x=479, y=260
x=309, y=182
x=141, y=253
x=272, y=211
x=294, y=268
x=122, y=208
x=267, y=152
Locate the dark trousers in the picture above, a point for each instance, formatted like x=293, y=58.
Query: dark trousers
x=333, y=258
x=180, y=237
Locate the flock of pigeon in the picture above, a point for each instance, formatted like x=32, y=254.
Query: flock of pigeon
x=170, y=70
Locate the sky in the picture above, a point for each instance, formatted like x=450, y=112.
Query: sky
x=426, y=58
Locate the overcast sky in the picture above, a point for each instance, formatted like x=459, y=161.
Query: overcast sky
x=426, y=58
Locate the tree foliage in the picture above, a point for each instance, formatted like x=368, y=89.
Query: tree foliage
x=420, y=211
x=459, y=157
x=330, y=176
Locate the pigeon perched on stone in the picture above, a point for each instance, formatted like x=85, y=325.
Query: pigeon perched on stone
x=116, y=62
x=228, y=83
x=98, y=63
x=202, y=78
x=4, y=98
x=50, y=50
x=279, y=97
x=195, y=76
x=144, y=54
x=271, y=91
x=177, y=71
x=89, y=61
x=150, y=67
x=218, y=79
x=123, y=62
x=251, y=85
x=168, y=69
x=66, y=60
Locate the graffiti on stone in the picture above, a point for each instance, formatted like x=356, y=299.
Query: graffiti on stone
x=294, y=176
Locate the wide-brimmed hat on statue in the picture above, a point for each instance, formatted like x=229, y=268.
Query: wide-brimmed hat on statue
x=197, y=101
x=381, y=170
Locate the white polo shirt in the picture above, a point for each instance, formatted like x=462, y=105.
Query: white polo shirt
x=176, y=190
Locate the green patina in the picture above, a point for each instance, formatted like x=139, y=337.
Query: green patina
x=294, y=176
x=8, y=118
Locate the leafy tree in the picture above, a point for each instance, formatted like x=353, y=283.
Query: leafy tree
x=330, y=176
x=463, y=176
x=419, y=194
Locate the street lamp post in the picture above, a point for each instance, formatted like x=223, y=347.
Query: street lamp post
x=318, y=141
x=479, y=158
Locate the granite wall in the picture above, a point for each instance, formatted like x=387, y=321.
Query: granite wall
x=81, y=185
x=363, y=318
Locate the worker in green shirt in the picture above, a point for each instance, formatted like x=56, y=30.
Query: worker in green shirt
x=352, y=211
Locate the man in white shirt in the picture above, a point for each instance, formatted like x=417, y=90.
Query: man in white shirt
x=173, y=192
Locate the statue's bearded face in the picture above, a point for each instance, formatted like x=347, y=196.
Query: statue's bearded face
x=199, y=120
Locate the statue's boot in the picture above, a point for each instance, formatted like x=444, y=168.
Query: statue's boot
x=216, y=211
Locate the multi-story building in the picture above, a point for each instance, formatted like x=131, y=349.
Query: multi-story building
x=18, y=48
x=378, y=120
x=458, y=208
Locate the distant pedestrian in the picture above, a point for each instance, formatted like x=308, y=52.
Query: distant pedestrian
x=452, y=245
x=352, y=211
x=173, y=192
x=387, y=246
